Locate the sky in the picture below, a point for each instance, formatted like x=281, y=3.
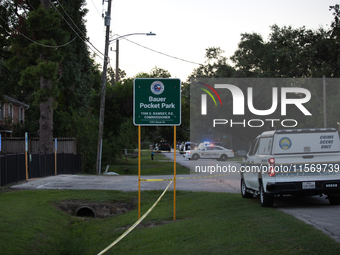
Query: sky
x=186, y=28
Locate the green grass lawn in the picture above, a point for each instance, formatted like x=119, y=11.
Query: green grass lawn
x=237, y=159
x=207, y=223
x=159, y=166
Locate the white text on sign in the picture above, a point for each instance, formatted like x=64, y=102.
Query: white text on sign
x=157, y=106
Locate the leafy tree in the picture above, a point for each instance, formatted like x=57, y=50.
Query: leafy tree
x=39, y=60
x=183, y=130
x=159, y=73
x=112, y=75
x=327, y=46
x=9, y=77
x=119, y=131
x=84, y=127
x=216, y=65
x=285, y=54
x=78, y=74
x=79, y=86
x=154, y=73
x=288, y=53
x=74, y=77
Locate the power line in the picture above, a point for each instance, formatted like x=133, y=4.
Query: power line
x=164, y=53
x=58, y=46
x=68, y=17
x=95, y=7
x=86, y=40
x=66, y=20
x=44, y=45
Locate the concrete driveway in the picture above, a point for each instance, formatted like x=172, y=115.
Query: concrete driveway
x=127, y=183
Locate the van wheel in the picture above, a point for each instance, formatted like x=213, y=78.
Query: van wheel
x=266, y=199
x=244, y=192
x=334, y=200
x=195, y=157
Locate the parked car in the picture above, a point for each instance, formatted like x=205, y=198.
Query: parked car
x=164, y=146
x=210, y=152
x=301, y=162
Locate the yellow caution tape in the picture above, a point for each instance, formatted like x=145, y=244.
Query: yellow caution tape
x=155, y=180
x=153, y=206
x=136, y=223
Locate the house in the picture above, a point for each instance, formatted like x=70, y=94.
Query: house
x=11, y=111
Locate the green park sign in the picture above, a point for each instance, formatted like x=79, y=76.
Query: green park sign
x=157, y=102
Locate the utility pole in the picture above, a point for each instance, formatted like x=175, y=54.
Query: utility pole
x=103, y=90
x=117, y=61
x=117, y=50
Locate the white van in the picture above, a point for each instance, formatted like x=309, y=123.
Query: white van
x=294, y=162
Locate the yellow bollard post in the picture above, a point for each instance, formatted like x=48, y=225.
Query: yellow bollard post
x=139, y=172
x=55, y=157
x=26, y=165
x=174, y=173
x=26, y=150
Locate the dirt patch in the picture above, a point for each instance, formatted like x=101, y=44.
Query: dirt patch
x=150, y=224
x=84, y=208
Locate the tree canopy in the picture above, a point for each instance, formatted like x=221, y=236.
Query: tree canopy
x=287, y=53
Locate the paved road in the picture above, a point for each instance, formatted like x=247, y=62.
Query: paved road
x=315, y=210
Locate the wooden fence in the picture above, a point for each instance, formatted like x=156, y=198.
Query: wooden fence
x=12, y=145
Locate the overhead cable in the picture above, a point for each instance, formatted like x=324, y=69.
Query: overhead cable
x=86, y=40
x=44, y=45
x=164, y=53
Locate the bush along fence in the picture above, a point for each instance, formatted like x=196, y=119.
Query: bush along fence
x=13, y=166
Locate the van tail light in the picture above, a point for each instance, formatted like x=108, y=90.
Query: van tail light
x=271, y=163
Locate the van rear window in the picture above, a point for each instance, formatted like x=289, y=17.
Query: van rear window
x=265, y=146
x=306, y=143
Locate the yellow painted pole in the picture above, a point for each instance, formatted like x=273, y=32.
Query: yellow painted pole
x=55, y=157
x=138, y=172
x=55, y=163
x=26, y=149
x=26, y=165
x=174, y=173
